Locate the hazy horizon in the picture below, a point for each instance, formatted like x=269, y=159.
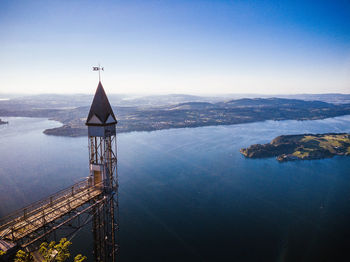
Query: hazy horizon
x=3, y=94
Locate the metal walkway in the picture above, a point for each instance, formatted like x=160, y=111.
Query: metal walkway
x=22, y=223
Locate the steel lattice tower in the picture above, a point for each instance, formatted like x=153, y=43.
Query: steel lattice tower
x=101, y=124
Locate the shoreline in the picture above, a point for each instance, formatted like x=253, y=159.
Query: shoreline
x=68, y=131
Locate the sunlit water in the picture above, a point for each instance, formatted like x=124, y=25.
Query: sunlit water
x=189, y=195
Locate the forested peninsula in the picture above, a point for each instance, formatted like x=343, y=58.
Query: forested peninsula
x=301, y=147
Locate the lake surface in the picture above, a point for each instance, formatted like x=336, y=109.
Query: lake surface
x=189, y=195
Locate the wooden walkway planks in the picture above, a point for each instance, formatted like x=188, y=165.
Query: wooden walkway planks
x=26, y=224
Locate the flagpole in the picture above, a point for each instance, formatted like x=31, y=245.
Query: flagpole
x=99, y=73
x=98, y=68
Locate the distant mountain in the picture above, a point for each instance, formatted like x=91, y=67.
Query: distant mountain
x=253, y=102
x=273, y=102
x=76, y=100
x=329, y=98
x=193, y=106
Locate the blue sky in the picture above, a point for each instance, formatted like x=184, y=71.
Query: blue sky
x=208, y=47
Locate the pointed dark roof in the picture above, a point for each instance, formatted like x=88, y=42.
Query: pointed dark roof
x=101, y=112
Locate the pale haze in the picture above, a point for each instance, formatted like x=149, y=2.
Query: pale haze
x=195, y=47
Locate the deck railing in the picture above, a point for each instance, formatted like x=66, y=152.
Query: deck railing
x=38, y=206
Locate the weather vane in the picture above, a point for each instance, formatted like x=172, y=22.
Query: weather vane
x=98, y=68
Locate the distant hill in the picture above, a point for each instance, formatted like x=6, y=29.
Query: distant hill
x=148, y=117
x=193, y=106
x=273, y=102
x=329, y=98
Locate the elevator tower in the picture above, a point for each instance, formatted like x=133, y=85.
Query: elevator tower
x=101, y=123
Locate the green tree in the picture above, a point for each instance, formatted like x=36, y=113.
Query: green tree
x=79, y=258
x=55, y=252
x=22, y=256
x=51, y=252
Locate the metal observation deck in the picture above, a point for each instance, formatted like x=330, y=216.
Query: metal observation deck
x=23, y=226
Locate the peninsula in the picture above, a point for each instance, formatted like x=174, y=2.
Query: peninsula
x=301, y=147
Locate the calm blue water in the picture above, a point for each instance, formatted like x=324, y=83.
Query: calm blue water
x=189, y=195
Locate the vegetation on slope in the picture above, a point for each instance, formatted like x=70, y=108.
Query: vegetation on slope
x=48, y=252
x=307, y=146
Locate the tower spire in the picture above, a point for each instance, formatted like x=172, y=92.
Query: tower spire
x=101, y=112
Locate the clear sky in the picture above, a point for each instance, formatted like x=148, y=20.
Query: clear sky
x=173, y=46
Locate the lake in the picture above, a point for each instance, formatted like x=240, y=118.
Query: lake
x=189, y=195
